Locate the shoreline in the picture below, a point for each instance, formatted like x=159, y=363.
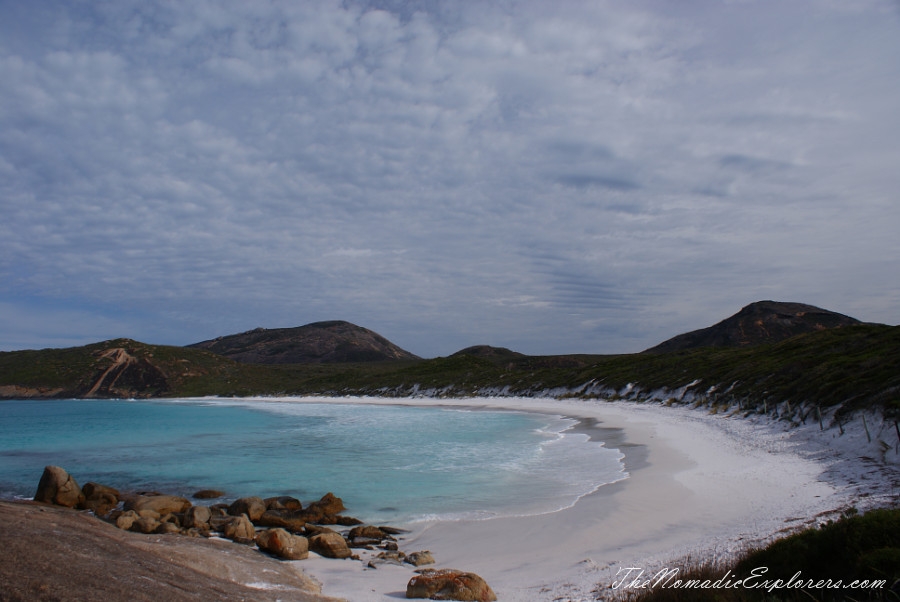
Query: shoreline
x=698, y=484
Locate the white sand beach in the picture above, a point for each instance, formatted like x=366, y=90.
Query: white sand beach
x=699, y=484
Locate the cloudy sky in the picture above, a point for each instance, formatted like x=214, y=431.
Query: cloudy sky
x=553, y=177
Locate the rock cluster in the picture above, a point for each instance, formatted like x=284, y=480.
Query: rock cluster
x=280, y=526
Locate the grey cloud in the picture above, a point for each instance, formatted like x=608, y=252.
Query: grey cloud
x=753, y=164
x=445, y=171
x=574, y=149
x=589, y=181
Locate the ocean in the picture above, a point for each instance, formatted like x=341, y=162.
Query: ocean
x=390, y=464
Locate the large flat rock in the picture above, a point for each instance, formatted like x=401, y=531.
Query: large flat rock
x=52, y=553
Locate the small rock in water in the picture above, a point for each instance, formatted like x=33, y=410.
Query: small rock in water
x=253, y=507
x=163, y=504
x=208, y=494
x=346, y=521
x=325, y=510
x=283, y=502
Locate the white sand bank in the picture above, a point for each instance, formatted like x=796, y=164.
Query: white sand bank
x=697, y=484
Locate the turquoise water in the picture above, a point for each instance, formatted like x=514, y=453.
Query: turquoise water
x=389, y=463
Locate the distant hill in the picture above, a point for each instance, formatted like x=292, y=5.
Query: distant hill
x=488, y=352
x=117, y=368
x=760, y=322
x=318, y=343
x=850, y=367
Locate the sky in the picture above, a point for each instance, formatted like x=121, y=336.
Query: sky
x=551, y=177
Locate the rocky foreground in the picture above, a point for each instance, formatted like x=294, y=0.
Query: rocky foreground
x=50, y=553
x=113, y=562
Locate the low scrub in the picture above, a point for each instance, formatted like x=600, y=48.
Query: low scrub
x=855, y=558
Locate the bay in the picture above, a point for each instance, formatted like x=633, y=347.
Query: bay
x=400, y=464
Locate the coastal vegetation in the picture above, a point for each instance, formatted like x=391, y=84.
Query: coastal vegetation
x=842, y=369
x=821, y=563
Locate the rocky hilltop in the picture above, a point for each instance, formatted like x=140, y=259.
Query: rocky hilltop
x=760, y=322
x=317, y=343
x=489, y=352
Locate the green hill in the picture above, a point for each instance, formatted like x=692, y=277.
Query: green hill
x=853, y=366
